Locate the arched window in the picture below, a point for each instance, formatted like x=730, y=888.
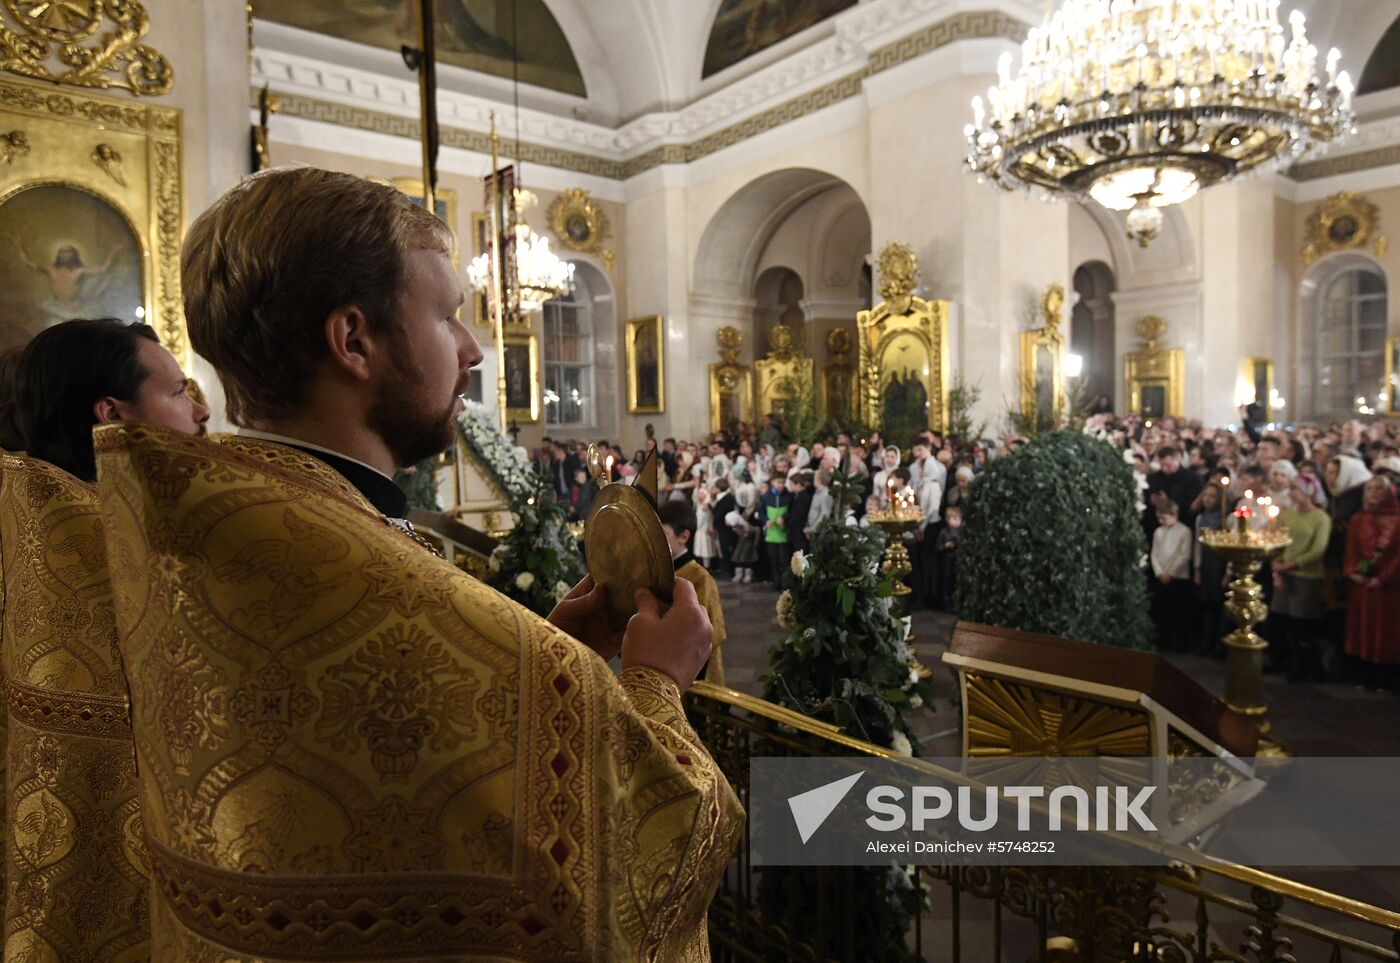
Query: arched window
x=1351, y=329
x=569, y=323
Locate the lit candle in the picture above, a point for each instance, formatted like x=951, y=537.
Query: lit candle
x=1224, y=500
x=607, y=466
x=1273, y=515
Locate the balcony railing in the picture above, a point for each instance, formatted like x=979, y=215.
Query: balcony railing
x=1211, y=913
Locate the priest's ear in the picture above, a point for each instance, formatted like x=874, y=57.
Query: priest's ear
x=351, y=342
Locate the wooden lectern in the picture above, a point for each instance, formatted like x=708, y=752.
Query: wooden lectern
x=1038, y=695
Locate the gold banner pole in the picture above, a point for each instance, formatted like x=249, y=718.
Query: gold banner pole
x=497, y=300
x=427, y=96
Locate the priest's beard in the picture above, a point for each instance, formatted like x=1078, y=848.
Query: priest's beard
x=412, y=425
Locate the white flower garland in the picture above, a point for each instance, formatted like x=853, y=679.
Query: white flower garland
x=494, y=454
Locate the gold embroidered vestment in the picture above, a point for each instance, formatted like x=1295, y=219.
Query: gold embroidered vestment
x=351, y=750
x=75, y=848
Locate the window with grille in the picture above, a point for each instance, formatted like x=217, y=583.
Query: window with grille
x=568, y=360
x=1351, y=343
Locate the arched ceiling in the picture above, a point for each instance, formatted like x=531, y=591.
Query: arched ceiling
x=742, y=28
x=1382, y=70
x=491, y=36
x=615, y=60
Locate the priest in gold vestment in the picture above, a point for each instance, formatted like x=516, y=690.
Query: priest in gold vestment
x=348, y=749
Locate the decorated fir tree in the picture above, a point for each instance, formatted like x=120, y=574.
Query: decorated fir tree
x=845, y=660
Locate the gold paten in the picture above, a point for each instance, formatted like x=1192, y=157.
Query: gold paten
x=99, y=43
x=1344, y=222
x=625, y=546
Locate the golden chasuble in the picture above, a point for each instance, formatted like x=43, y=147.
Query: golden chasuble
x=351, y=750
x=708, y=593
x=75, y=849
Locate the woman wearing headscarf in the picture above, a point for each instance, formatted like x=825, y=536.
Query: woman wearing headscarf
x=1372, y=567
x=1345, y=476
x=1297, y=607
x=890, y=460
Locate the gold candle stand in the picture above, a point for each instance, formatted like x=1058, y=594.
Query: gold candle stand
x=1246, y=550
x=896, y=564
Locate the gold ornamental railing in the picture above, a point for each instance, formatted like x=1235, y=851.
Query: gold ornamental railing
x=1215, y=913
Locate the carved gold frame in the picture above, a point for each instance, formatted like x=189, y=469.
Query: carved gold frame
x=531, y=342
x=1031, y=343
x=575, y=202
x=634, y=407
x=926, y=320
x=128, y=154
x=775, y=374
x=731, y=379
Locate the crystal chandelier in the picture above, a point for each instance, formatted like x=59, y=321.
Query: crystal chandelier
x=540, y=274
x=1138, y=104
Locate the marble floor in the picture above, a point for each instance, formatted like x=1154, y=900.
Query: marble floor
x=1319, y=719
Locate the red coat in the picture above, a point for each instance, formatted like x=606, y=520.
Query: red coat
x=1373, y=614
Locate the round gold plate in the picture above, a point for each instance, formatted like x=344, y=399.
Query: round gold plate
x=626, y=549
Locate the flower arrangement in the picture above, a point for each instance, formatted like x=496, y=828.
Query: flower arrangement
x=539, y=560
x=1052, y=542
x=503, y=464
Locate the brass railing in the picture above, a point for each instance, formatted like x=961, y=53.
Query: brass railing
x=1213, y=913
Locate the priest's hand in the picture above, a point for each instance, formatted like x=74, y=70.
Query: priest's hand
x=676, y=642
x=583, y=613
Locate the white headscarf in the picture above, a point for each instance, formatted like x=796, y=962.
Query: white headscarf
x=1351, y=472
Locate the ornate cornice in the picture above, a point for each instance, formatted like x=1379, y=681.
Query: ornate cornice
x=1376, y=144
x=827, y=73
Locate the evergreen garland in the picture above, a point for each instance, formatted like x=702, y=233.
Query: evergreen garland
x=845, y=661
x=1052, y=543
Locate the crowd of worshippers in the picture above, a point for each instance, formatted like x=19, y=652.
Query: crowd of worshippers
x=1334, y=592
x=758, y=498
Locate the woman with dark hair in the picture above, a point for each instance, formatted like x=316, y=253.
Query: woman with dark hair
x=82, y=373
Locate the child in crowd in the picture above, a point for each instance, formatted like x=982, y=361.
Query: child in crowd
x=704, y=543
x=1171, y=570
x=947, y=551
x=745, y=535
x=581, y=496
x=679, y=525
x=772, y=515
x=823, y=505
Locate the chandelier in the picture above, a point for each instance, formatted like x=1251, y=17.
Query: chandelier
x=540, y=274
x=1138, y=104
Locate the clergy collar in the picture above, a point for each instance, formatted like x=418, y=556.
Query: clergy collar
x=378, y=488
x=682, y=559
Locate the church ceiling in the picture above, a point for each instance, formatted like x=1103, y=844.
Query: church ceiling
x=472, y=34
x=743, y=28
x=1383, y=69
